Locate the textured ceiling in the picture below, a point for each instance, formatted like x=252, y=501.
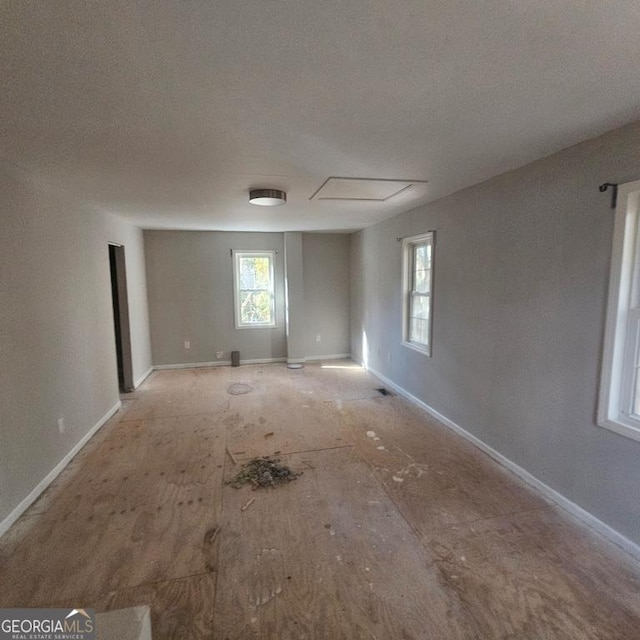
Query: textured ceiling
x=168, y=112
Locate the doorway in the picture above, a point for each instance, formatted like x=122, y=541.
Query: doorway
x=121, y=316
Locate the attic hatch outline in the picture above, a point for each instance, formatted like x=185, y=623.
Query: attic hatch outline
x=404, y=185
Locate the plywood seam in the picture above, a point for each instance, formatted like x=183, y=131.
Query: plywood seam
x=507, y=514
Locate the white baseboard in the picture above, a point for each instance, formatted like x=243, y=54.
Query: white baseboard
x=55, y=472
x=263, y=361
x=227, y=363
x=215, y=363
x=588, y=518
x=142, y=378
x=333, y=356
x=192, y=365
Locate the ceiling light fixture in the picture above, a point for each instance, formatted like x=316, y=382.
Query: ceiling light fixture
x=267, y=197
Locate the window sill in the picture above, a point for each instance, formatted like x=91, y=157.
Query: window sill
x=623, y=426
x=257, y=326
x=423, y=349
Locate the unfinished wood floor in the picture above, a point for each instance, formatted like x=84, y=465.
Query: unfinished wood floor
x=397, y=529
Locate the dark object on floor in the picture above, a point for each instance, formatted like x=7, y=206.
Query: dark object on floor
x=382, y=391
x=235, y=358
x=263, y=472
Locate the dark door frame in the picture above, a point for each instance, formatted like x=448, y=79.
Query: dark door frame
x=121, y=316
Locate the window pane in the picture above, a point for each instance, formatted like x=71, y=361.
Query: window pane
x=420, y=257
x=262, y=271
x=419, y=307
x=632, y=347
x=247, y=281
x=422, y=281
x=419, y=330
x=636, y=394
x=254, y=273
x=255, y=307
x=421, y=268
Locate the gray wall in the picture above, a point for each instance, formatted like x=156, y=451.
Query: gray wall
x=326, y=286
x=521, y=272
x=295, y=297
x=190, y=281
x=57, y=344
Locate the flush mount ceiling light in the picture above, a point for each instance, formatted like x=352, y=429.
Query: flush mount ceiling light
x=267, y=197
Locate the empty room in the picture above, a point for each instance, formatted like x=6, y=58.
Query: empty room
x=319, y=320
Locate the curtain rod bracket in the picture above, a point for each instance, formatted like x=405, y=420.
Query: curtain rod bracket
x=614, y=192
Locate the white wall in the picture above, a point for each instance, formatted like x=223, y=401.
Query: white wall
x=521, y=272
x=57, y=344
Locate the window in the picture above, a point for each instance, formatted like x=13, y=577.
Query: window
x=254, y=288
x=418, y=279
x=619, y=402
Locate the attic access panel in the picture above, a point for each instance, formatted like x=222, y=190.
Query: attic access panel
x=365, y=189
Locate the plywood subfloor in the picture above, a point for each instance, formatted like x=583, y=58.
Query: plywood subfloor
x=396, y=528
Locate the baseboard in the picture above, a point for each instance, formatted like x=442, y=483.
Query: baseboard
x=142, y=378
x=226, y=363
x=588, y=518
x=215, y=363
x=192, y=365
x=263, y=361
x=55, y=472
x=333, y=356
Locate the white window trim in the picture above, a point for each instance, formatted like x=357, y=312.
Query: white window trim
x=615, y=383
x=237, y=254
x=407, y=243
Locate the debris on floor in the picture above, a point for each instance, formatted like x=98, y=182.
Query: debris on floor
x=211, y=535
x=263, y=472
x=247, y=504
x=233, y=458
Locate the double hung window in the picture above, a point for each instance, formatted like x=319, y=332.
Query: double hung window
x=418, y=284
x=254, y=288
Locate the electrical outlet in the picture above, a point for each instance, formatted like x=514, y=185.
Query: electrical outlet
x=318, y=337
x=187, y=344
x=219, y=355
x=61, y=426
